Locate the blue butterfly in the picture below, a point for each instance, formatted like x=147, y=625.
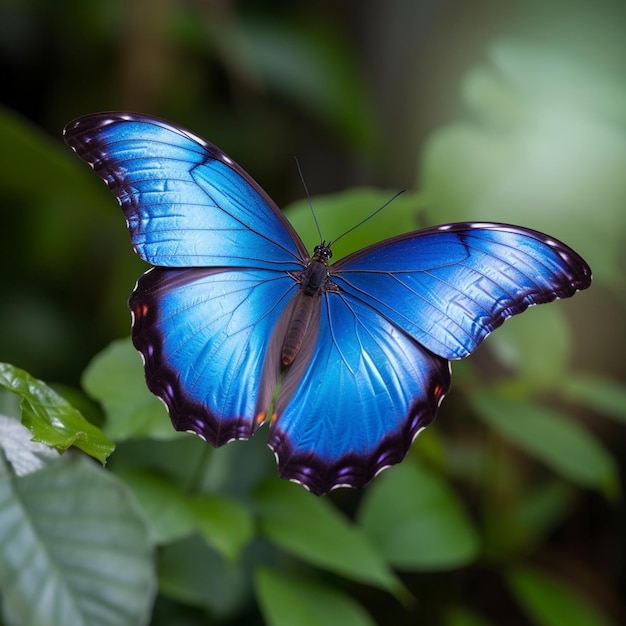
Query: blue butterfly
x=236, y=308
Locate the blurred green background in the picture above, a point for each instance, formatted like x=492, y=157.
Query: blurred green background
x=511, y=112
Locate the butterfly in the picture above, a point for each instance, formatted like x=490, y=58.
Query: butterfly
x=235, y=308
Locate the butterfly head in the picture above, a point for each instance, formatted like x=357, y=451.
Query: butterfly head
x=322, y=253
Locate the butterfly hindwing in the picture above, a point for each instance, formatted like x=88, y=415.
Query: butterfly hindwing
x=203, y=334
x=450, y=286
x=186, y=203
x=366, y=392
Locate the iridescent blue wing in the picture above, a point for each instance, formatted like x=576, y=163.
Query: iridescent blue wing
x=186, y=203
x=353, y=405
x=389, y=320
x=204, y=336
x=449, y=286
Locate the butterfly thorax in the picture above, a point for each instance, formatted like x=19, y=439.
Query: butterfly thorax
x=312, y=280
x=315, y=273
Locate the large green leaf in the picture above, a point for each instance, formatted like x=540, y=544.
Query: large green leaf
x=192, y=572
x=225, y=524
x=24, y=455
x=166, y=508
x=415, y=520
x=50, y=418
x=73, y=548
x=115, y=377
x=286, y=601
x=549, y=602
x=311, y=529
x=550, y=436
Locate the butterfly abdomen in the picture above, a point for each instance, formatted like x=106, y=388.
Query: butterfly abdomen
x=297, y=328
x=312, y=279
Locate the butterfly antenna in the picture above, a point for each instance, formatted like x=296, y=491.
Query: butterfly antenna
x=369, y=217
x=308, y=197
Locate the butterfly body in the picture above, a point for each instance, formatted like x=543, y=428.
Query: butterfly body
x=235, y=306
x=313, y=280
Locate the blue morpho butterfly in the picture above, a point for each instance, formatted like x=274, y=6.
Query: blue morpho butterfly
x=235, y=306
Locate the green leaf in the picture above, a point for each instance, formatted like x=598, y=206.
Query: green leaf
x=115, y=377
x=286, y=601
x=191, y=572
x=415, y=520
x=600, y=394
x=225, y=524
x=50, y=418
x=310, y=528
x=167, y=510
x=73, y=548
x=549, y=602
x=551, y=437
x=24, y=455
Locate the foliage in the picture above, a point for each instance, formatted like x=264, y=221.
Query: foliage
x=503, y=510
x=74, y=548
x=51, y=419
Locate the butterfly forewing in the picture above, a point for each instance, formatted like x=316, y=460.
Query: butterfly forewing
x=186, y=203
x=450, y=286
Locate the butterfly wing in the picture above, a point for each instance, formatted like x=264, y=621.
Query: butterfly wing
x=448, y=287
x=203, y=334
x=202, y=326
x=364, y=393
x=396, y=313
x=186, y=203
